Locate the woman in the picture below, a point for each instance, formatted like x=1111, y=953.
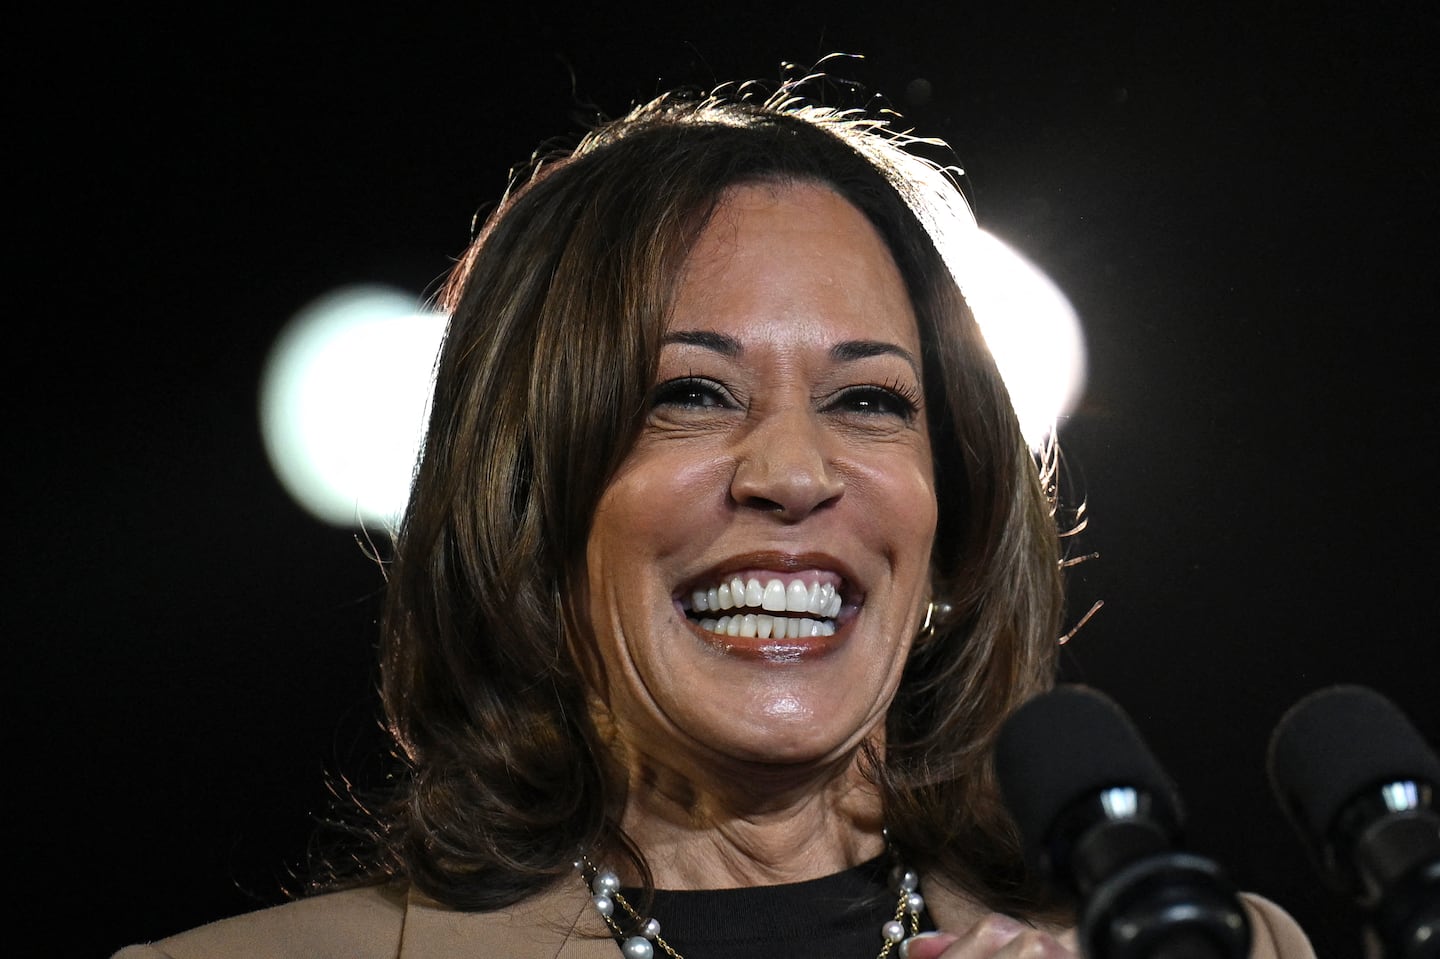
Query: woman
x=724, y=563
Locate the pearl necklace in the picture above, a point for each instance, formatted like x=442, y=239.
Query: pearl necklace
x=643, y=934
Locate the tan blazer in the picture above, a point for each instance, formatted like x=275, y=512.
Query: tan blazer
x=392, y=923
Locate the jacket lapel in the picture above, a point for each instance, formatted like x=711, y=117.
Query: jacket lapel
x=556, y=924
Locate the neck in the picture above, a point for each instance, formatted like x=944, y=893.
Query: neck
x=756, y=825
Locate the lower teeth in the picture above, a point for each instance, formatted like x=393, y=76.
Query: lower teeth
x=768, y=627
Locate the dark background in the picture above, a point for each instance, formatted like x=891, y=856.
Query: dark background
x=1240, y=200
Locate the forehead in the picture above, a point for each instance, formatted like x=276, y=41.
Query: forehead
x=796, y=257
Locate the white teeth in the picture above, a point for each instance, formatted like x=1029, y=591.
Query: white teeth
x=768, y=627
x=818, y=606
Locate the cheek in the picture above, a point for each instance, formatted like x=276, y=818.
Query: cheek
x=920, y=506
x=656, y=501
x=899, y=501
x=918, y=503
x=656, y=507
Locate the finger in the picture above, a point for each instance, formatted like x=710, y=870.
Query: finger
x=926, y=945
x=1029, y=944
x=988, y=936
x=994, y=937
x=1034, y=944
x=991, y=933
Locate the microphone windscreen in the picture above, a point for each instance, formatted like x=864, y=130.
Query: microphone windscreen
x=1066, y=745
x=1336, y=743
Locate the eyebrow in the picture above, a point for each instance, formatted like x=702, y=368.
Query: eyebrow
x=860, y=349
x=719, y=342
x=845, y=352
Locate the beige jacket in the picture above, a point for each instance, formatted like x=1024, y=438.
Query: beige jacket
x=391, y=923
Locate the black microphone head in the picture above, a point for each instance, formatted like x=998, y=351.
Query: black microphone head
x=1066, y=745
x=1336, y=743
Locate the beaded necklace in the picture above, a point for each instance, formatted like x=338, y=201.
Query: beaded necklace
x=639, y=936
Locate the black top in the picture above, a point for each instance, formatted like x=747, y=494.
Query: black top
x=833, y=917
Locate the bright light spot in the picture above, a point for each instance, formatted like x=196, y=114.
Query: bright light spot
x=1120, y=802
x=1030, y=327
x=344, y=399
x=346, y=390
x=1401, y=796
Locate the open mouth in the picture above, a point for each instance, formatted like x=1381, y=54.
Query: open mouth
x=767, y=607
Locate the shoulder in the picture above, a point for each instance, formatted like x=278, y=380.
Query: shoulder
x=397, y=922
x=354, y=924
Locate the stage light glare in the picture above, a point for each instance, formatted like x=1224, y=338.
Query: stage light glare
x=343, y=402
x=1031, y=329
x=346, y=389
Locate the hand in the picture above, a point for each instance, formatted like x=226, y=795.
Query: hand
x=993, y=937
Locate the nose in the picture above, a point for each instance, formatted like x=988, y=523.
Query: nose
x=782, y=467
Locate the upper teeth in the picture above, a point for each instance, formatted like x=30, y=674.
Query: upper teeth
x=820, y=599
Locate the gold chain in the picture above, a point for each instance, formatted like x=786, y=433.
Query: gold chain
x=637, y=918
x=900, y=910
x=589, y=871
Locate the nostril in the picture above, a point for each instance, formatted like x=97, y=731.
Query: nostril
x=793, y=490
x=762, y=504
x=790, y=508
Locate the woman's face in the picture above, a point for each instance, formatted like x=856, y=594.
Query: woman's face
x=783, y=475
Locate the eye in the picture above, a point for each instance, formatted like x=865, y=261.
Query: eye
x=871, y=400
x=690, y=392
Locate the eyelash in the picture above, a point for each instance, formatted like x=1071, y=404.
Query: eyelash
x=698, y=392
x=684, y=391
x=904, y=399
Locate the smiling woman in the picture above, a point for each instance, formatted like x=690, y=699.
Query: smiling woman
x=716, y=343
x=724, y=563
x=786, y=453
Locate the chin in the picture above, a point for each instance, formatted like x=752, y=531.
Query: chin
x=787, y=731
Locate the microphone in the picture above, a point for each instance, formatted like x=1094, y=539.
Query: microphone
x=1100, y=820
x=1358, y=783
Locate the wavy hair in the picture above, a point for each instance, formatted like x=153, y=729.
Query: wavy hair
x=557, y=310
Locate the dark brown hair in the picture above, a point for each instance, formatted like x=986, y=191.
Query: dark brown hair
x=557, y=310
